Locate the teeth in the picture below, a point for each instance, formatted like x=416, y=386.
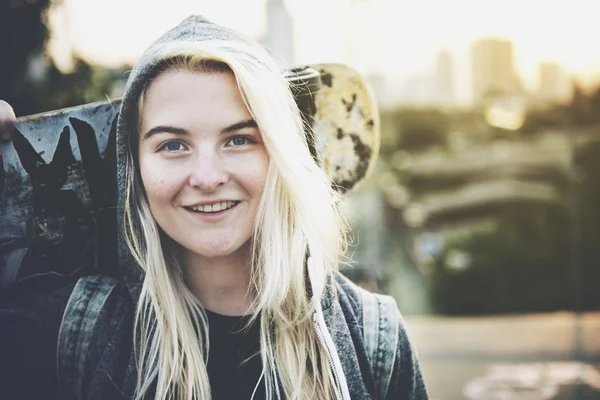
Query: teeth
x=224, y=205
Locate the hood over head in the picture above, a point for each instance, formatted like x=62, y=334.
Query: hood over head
x=194, y=29
x=251, y=63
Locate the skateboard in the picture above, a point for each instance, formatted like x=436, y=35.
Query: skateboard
x=58, y=178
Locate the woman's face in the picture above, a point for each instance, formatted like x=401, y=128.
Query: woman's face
x=202, y=162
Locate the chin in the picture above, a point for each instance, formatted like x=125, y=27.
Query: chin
x=218, y=249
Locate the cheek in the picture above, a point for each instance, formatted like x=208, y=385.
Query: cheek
x=157, y=183
x=259, y=174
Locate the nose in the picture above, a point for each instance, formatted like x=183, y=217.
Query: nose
x=208, y=172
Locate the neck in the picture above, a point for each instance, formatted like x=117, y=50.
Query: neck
x=221, y=284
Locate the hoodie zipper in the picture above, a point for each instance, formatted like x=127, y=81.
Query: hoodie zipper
x=336, y=368
x=338, y=391
x=327, y=344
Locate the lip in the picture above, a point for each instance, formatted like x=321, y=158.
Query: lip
x=209, y=203
x=214, y=216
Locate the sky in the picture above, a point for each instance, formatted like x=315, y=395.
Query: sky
x=395, y=38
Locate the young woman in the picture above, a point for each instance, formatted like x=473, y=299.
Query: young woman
x=230, y=247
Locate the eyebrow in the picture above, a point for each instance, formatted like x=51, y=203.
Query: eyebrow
x=164, y=129
x=240, y=125
x=182, y=132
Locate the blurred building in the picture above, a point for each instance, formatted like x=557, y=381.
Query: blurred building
x=444, y=77
x=419, y=90
x=553, y=83
x=431, y=88
x=379, y=84
x=493, y=69
x=279, y=38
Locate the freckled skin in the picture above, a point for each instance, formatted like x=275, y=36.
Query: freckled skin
x=205, y=164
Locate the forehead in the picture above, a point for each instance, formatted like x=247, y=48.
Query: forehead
x=203, y=100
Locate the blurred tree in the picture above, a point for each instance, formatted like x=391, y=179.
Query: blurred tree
x=24, y=34
x=521, y=267
x=588, y=159
x=29, y=80
x=541, y=121
x=582, y=110
x=594, y=100
x=420, y=129
x=579, y=108
x=539, y=257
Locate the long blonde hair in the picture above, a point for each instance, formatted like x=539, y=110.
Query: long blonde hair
x=297, y=216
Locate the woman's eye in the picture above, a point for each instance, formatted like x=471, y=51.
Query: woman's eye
x=239, y=141
x=172, y=146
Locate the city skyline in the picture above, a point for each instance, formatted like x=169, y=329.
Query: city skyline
x=493, y=73
x=396, y=39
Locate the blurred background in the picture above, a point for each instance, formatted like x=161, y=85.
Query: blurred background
x=482, y=217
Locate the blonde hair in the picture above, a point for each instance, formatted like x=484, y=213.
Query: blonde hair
x=297, y=216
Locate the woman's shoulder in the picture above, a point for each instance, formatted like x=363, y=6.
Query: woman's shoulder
x=385, y=338
x=41, y=300
x=32, y=316
x=357, y=298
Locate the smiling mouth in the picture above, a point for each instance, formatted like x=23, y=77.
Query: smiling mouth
x=213, y=208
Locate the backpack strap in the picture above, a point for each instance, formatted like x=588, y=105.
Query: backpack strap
x=380, y=332
x=79, y=319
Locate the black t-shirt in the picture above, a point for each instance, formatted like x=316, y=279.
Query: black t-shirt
x=30, y=318
x=234, y=363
